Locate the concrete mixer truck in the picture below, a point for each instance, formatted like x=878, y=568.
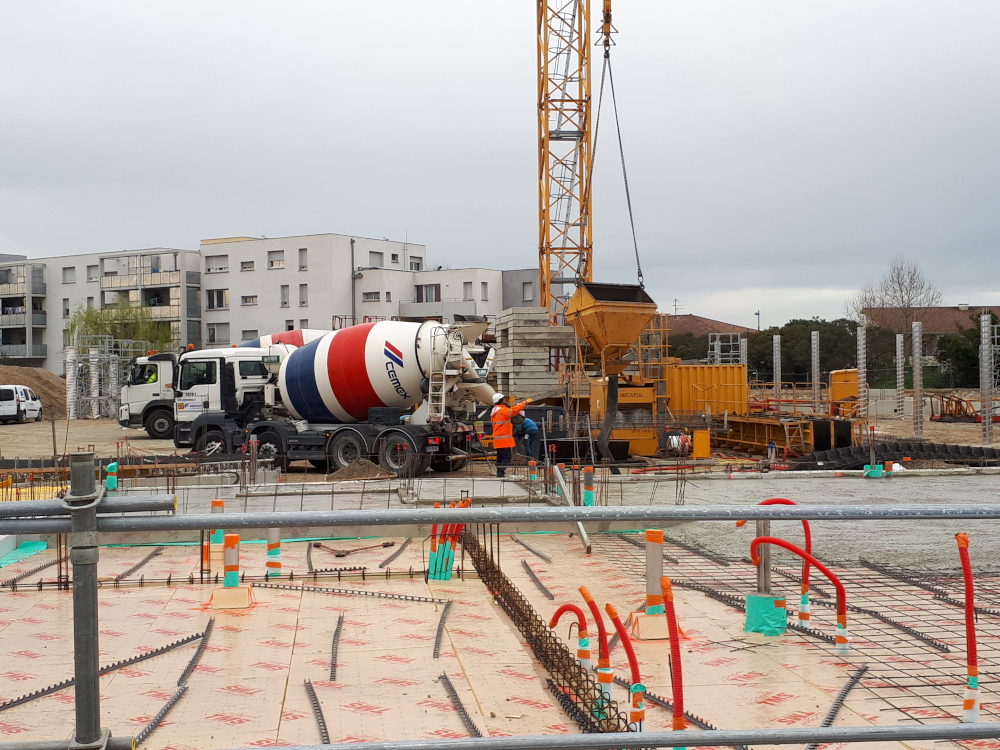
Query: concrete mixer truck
x=399, y=393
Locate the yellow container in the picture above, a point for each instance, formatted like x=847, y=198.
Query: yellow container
x=714, y=388
x=609, y=318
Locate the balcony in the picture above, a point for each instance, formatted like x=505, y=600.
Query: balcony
x=24, y=350
x=123, y=281
x=20, y=320
x=163, y=312
x=161, y=278
x=444, y=308
x=13, y=290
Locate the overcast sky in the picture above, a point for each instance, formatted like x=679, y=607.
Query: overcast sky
x=780, y=153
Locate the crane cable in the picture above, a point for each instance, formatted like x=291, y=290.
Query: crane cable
x=606, y=69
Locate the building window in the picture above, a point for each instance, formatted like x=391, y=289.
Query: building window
x=65, y=308
x=415, y=263
x=218, y=299
x=303, y=322
x=394, y=257
x=484, y=291
x=371, y=296
x=93, y=273
x=303, y=258
x=69, y=275
x=428, y=293
x=248, y=299
x=289, y=325
x=216, y=263
x=284, y=295
x=303, y=295
x=218, y=333
x=375, y=259
x=249, y=335
x=276, y=259
x=246, y=265
x=527, y=291
x=388, y=296
x=90, y=303
x=467, y=290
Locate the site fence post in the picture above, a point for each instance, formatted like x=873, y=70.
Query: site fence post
x=764, y=569
x=83, y=556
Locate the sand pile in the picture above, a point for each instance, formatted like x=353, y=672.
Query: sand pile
x=49, y=387
x=361, y=468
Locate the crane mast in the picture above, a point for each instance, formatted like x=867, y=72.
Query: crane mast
x=564, y=150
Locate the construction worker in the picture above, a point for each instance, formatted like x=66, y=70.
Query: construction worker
x=503, y=430
x=527, y=429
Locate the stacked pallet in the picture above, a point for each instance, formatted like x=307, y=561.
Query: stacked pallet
x=525, y=363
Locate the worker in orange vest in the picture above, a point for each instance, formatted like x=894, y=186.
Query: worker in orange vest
x=503, y=429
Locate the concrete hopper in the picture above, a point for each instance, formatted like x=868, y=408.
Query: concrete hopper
x=609, y=318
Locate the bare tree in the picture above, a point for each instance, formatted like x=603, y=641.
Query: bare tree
x=893, y=303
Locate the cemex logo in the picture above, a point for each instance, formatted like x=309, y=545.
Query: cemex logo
x=395, y=358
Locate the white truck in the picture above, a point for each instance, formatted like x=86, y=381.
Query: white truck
x=402, y=394
x=147, y=398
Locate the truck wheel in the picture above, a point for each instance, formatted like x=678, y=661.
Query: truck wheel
x=270, y=447
x=345, y=449
x=20, y=416
x=160, y=424
x=398, y=454
x=39, y=417
x=444, y=466
x=210, y=443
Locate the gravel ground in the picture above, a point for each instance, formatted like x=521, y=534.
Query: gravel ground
x=34, y=439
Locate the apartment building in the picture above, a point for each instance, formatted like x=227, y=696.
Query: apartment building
x=38, y=296
x=234, y=289
x=254, y=286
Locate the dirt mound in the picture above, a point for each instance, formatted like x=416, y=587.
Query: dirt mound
x=50, y=387
x=362, y=468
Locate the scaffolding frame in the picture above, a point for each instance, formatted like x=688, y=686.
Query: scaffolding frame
x=96, y=368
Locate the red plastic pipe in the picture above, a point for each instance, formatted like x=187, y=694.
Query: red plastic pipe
x=804, y=591
x=602, y=633
x=581, y=619
x=637, y=715
x=841, y=593
x=970, y=707
x=676, y=674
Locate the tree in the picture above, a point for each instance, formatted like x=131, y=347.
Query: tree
x=892, y=303
x=122, y=320
x=958, y=353
x=837, y=349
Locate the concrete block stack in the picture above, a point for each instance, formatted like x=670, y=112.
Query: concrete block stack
x=523, y=364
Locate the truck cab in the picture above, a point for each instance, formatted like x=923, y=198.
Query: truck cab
x=219, y=381
x=147, y=398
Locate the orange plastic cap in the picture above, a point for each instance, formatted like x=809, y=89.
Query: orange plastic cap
x=585, y=593
x=667, y=587
x=755, y=560
x=654, y=535
x=610, y=609
x=741, y=523
x=963, y=539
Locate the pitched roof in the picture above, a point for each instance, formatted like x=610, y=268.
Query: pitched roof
x=935, y=320
x=698, y=326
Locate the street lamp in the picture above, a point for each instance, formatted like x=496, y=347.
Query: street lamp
x=758, y=320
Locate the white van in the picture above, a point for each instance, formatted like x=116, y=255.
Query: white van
x=18, y=403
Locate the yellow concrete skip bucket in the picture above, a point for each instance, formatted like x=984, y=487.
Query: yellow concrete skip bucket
x=609, y=318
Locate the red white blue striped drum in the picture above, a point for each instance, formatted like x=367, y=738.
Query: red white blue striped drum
x=339, y=376
x=298, y=337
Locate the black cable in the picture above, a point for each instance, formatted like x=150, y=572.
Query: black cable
x=621, y=151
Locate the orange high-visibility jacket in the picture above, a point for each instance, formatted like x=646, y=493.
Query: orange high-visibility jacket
x=503, y=430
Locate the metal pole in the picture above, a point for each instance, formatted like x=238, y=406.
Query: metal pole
x=900, y=376
x=764, y=568
x=814, y=343
x=542, y=515
x=986, y=376
x=688, y=738
x=918, y=380
x=83, y=555
x=776, y=358
x=862, y=369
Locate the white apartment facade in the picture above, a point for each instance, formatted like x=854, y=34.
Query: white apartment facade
x=235, y=289
x=38, y=296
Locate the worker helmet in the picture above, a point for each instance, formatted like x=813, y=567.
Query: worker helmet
x=497, y=398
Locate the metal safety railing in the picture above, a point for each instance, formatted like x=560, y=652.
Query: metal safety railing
x=85, y=504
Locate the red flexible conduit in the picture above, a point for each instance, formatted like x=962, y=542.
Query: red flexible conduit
x=602, y=633
x=970, y=612
x=805, y=528
x=581, y=619
x=633, y=663
x=676, y=675
x=841, y=593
